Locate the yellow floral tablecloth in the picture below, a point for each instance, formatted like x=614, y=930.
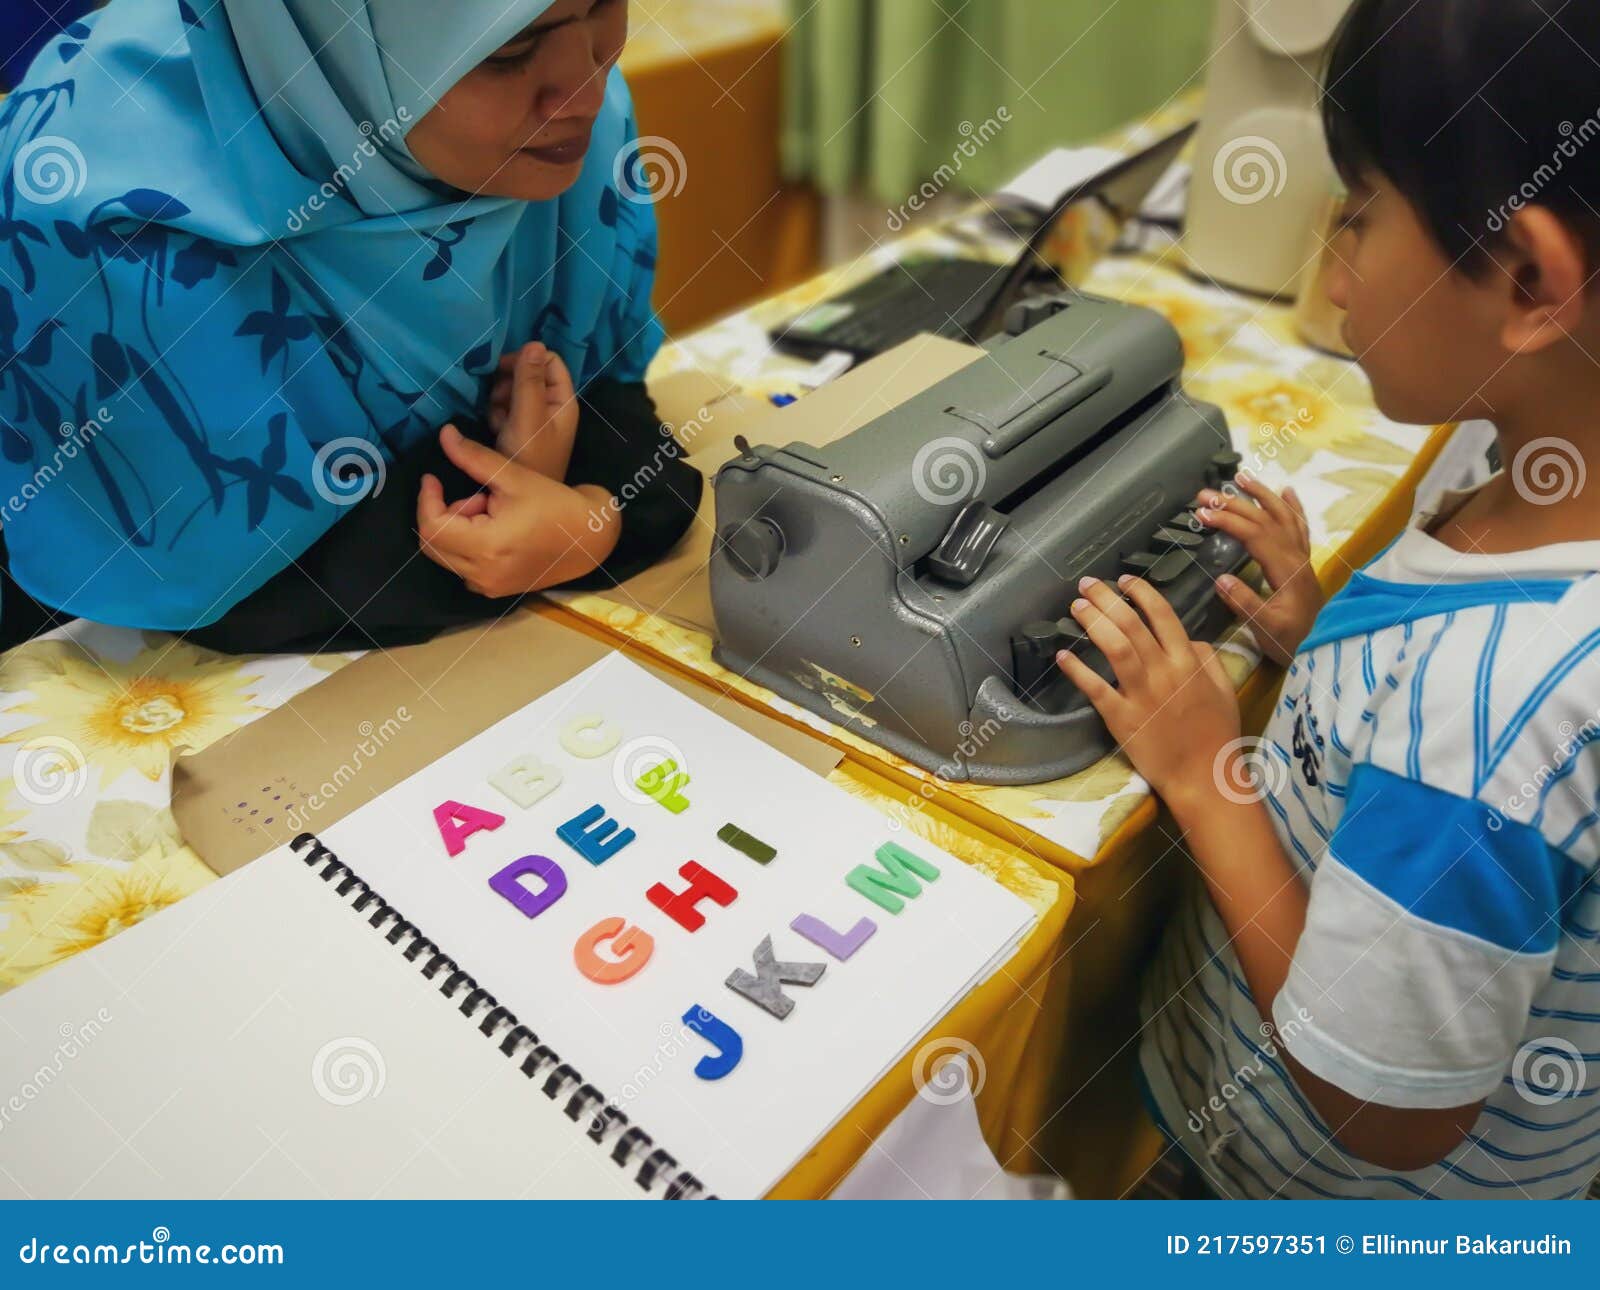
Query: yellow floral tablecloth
x=91, y=718
x=1297, y=415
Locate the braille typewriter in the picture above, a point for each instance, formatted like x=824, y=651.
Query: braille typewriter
x=908, y=581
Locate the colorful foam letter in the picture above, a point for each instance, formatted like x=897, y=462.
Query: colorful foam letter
x=839, y=944
x=508, y=883
x=765, y=989
x=664, y=783
x=746, y=844
x=590, y=736
x=590, y=835
x=526, y=780
x=721, y=1036
x=458, y=822
x=632, y=947
x=885, y=889
x=679, y=906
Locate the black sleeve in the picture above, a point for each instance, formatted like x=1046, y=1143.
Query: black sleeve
x=366, y=584
x=624, y=448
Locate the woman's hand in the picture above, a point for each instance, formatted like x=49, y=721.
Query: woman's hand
x=1173, y=710
x=526, y=533
x=1275, y=533
x=533, y=410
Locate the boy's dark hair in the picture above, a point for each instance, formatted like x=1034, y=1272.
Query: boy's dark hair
x=1473, y=109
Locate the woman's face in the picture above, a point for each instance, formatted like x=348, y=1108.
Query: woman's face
x=518, y=124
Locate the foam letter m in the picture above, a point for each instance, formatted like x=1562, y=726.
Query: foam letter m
x=897, y=878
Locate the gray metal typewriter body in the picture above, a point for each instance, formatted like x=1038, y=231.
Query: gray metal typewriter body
x=909, y=581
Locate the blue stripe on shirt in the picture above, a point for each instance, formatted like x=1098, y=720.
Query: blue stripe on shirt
x=1529, y=706
x=1414, y=745
x=1401, y=837
x=1369, y=604
x=1480, y=714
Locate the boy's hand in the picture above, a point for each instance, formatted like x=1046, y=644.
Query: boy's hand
x=533, y=410
x=1275, y=533
x=1173, y=710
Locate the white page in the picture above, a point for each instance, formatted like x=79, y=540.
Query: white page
x=1049, y=179
x=260, y=1040
x=739, y=1134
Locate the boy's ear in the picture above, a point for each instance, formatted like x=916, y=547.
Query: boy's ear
x=1548, y=264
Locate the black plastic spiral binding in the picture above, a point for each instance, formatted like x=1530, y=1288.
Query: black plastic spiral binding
x=607, y=1125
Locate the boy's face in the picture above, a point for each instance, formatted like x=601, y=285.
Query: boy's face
x=1427, y=335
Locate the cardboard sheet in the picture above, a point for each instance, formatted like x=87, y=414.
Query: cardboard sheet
x=368, y=727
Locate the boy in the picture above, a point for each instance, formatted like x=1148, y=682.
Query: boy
x=1391, y=986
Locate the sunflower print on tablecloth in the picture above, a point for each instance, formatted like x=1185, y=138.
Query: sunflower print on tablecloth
x=129, y=716
x=92, y=718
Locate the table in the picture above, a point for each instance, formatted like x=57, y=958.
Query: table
x=91, y=718
x=88, y=847
x=1298, y=416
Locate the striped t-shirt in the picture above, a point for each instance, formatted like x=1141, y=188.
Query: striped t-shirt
x=1432, y=770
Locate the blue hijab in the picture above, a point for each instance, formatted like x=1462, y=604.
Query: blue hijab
x=229, y=295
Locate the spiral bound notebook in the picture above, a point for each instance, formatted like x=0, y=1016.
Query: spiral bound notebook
x=629, y=1146
x=610, y=947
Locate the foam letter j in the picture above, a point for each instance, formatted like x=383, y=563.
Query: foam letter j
x=721, y=1036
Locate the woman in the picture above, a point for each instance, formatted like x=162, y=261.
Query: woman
x=257, y=253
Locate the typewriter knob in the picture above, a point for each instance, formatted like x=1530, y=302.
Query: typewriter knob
x=753, y=549
x=1222, y=468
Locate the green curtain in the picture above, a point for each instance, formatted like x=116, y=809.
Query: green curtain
x=883, y=93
